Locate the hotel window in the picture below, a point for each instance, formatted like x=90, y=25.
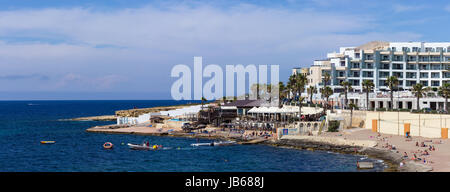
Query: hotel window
x=446, y=75
x=342, y=63
x=357, y=55
x=424, y=58
x=435, y=58
x=410, y=83
x=435, y=75
x=436, y=67
x=439, y=49
x=367, y=74
x=393, y=49
x=369, y=57
x=397, y=66
x=435, y=83
x=384, y=74
x=411, y=75
x=405, y=49
x=368, y=66
x=423, y=75
x=397, y=74
x=415, y=49
x=385, y=58
x=429, y=49
x=412, y=58
x=355, y=65
x=424, y=83
x=424, y=67
x=382, y=82
x=411, y=67
x=384, y=66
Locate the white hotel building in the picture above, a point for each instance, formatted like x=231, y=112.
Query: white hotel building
x=411, y=62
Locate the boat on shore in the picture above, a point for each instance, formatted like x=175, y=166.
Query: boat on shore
x=218, y=143
x=202, y=144
x=223, y=143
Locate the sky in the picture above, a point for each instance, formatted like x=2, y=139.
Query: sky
x=117, y=49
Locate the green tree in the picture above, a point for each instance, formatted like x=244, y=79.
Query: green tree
x=392, y=83
x=367, y=86
x=326, y=79
x=444, y=91
x=352, y=106
x=203, y=100
x=419, y=91
x=311, y=90
x=347, y=87
x=326, y=93
x=300, y=87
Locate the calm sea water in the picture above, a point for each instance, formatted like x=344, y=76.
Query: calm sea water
x=23, y=124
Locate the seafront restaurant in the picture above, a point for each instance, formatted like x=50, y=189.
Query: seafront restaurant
x=283, y=114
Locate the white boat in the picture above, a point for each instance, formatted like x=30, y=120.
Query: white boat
x=222, y=143
x=143, y=146
x=202, y=144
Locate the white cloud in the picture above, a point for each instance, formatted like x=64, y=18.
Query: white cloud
x=143, y=43
x=447, y=8
x=405, y=8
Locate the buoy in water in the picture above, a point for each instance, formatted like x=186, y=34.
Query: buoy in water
x=108, y=145
x=47, y=142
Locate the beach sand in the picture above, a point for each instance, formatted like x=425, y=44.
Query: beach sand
x=439, y=159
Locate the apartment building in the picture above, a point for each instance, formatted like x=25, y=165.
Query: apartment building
x=410, y=62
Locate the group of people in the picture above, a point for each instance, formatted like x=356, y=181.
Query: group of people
x=254, y=134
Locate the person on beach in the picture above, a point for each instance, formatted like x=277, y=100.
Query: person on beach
x=405, y=155
x=417, y=143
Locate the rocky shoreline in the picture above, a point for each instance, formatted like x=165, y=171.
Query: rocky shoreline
x=392, y=159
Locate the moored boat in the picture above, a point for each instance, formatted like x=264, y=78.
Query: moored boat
x=202, y=144
x=222, y=143
x=47, y=142
x=143, y=146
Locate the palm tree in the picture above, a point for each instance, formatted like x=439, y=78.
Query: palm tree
x=367, y=86
x=419, y=91
x=281, y=92
x=326, y=79
x=291, y=85
x=444, y=91
x=203, y=100
x=347, y=87
x=255, y=89
x=392, y=83
x=326, y=93
x=300, y=84
x=311, y=90
x=351, y=106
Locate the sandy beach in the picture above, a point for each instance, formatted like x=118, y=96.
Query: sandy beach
x=437, y=159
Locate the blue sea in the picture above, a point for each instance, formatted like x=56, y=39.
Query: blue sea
x=23, y=124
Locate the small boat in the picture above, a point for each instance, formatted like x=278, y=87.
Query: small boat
x=143, y=146
x=364, y=165
x=223, y=143
x=202, y=144
x=47, y=142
